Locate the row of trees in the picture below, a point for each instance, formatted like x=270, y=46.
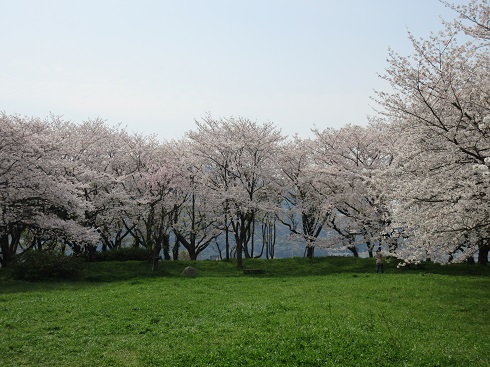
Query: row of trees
x=414, y=180
x=80, y=186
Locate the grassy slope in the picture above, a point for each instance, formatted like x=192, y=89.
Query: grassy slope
x=324, y=312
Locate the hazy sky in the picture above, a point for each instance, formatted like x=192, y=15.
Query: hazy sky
x=155, y=66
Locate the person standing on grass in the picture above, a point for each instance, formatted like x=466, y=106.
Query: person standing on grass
x=379, y=261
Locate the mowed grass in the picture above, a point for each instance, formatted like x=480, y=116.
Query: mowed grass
x=320, y=312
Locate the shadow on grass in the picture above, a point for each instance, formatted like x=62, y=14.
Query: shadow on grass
x=116, y=271
x=290, y=267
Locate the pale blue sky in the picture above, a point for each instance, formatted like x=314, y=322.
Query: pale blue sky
x=155, y=66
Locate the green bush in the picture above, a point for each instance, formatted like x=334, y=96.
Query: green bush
x=45, y=265
x=123, y=254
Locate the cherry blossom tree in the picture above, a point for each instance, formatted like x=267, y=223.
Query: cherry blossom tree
x=152, y=186
x=440, y=108
x=197, y=221
x=35, y=193
x=98, y=159
x=307, y=203
x=348, y=161
x=239, y=157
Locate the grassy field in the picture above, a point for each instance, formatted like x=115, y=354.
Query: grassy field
x=300, y=312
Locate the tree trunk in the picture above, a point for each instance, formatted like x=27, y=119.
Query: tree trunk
x=239, y=254
x=310, y=252
x=246, y=233
x=175, y=249
x=5, y=250
x=192, y=253
x=483, y=251
x=227, y=244
x=227, y=235
x=241, y=230
x=353, y=249
x=220, y=255
x=9, y=243
x=252, y=239
x=269, y=238
x=154, y=265
x=166, y=247
x=370, y=249
x=157, y=247
x=91, y=252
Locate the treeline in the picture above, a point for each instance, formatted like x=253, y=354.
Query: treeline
x=77, y=187
x=415, y=180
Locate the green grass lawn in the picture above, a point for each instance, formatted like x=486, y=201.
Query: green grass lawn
x=320, y=312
